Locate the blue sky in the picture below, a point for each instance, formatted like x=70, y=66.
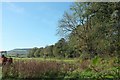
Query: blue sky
x=31, y=24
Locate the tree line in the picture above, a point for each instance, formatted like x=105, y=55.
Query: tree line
x=89, y=28
x=59, y=49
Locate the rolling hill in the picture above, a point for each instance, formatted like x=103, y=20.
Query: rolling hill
x=18, y=52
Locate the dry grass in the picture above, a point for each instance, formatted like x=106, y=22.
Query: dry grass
x=60, y=69
x=37, y=69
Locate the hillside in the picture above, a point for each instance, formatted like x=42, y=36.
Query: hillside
x=18, y=52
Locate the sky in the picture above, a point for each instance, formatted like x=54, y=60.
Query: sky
x=30, y=24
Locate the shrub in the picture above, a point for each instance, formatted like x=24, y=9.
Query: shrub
x=96, y=68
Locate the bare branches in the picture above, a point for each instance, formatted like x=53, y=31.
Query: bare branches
x=72, y=19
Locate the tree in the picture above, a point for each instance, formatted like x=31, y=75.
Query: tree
x=48, y=51
x=32, y=51
x=37, y=52
x=59, y=49
x=72, y=19
x=92, y=27
x=41, y=52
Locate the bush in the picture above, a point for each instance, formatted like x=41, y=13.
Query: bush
x=96, y=68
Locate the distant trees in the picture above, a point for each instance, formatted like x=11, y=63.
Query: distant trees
x=57, y=50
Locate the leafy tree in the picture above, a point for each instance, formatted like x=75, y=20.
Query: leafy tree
x=92, y=27
x=48, y=51
x=41, y=52
x=32, y=51
x=59, y=49
x=37, y=52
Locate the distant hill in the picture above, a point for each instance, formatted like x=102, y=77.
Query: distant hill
x=18, y=52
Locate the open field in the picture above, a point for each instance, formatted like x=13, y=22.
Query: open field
x=70, y=60
x=63, y=69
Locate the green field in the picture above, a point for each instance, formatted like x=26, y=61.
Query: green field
x=69, y=60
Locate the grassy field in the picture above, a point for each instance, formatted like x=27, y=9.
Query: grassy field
x=69, y=60
x=64, y=69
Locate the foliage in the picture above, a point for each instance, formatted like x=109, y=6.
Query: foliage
x=92, y=27
x=38, y=69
